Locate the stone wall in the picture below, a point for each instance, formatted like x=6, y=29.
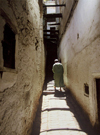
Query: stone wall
x=20, y=88
x=80, y=55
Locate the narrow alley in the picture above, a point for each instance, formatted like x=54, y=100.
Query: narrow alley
x=35, y=35
x=60, y=114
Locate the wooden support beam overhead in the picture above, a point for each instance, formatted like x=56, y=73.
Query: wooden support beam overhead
x=51, y=30
x=60, y=5
x=59, y=15
x=54, y=24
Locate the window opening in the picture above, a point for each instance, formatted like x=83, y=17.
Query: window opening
x=8, y=44
x=86, y=89
x=77, y=35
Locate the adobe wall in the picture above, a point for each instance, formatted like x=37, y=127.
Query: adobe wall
x=80, y=55
x=20, y=88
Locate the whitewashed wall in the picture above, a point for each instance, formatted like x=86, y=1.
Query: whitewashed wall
x=20, y=89
x=80, y=54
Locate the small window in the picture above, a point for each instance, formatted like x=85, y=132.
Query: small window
x=86, y=89
x=8, y=44
x=77, y=35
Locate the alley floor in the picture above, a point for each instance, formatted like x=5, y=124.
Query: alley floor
x=59, y=114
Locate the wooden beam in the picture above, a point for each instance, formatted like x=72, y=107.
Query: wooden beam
x=51, y=30
x=54, y=24
x=59, y=15
x=60, y=5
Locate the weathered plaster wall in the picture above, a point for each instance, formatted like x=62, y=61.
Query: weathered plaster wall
x=80, y=55
x=65, y=10
x=21, y=88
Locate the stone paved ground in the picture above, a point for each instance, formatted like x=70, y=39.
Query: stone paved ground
x=59, y=114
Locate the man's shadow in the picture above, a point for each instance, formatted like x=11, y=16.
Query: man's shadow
x=59, y=93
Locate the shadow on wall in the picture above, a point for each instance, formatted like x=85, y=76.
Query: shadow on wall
x=80, y=115
x=37, y=121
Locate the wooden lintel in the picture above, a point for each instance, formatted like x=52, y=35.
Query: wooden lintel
x=59, y=15
x=55, y=24
x=60, y=5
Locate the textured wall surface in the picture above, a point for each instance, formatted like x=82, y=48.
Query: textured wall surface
x=65, y=10
x=80, y=55
x=20, y=89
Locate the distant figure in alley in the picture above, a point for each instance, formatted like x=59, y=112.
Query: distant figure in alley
x=58, y=74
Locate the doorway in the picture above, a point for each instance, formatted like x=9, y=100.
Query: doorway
x=98, y=97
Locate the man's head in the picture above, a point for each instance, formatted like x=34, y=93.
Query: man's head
x=56, y=60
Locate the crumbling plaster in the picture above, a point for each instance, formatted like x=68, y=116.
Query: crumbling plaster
x=79, y=53
x=21, y=88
